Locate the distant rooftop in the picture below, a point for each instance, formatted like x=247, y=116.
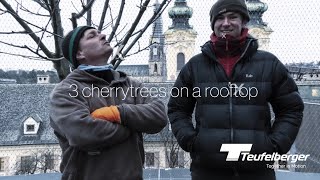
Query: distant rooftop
x=19, y=102
x=135, y=70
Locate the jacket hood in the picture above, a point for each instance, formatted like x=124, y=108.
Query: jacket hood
x=251, y=47
x=83, y=76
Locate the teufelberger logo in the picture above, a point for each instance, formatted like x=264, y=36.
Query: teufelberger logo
x=235, y=150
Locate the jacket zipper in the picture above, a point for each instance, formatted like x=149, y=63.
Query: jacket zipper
x=230, y=96
x=235, y=171
x=230, y=112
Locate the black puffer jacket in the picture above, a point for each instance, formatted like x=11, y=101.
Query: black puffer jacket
x=226, y=113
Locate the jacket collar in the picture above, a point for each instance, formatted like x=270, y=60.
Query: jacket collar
x=229, y=46
x=251, y=46
x=83, y=76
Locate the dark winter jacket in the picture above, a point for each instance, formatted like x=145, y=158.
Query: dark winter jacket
x=99, y=149
x=234, y=110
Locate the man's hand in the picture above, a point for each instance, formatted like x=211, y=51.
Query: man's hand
x=110, y=113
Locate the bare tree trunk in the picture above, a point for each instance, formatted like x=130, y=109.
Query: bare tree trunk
x=61, y=66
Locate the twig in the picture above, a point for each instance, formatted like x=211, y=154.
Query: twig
x=114, y=29
x=19, y=32
x=140, y=50
x=43, y=3
x=25, y=47
x=103, y=15
x=43, y=33
x=75, y=16
x=131, y=30
x=28, y=11
x=27, y=28
x=25, y=22
x=33, y=57
x=156, y=14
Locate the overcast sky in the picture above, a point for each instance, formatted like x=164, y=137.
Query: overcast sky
x=295, y=24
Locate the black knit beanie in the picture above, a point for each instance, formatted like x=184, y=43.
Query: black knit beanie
x=70, y=44
x=222, y=6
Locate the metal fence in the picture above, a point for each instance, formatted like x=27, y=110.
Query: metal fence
x=172, y=174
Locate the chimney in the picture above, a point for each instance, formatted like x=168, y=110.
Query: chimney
x=43, y=79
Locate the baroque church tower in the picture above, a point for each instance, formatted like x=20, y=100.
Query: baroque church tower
x=258, y=28
x=179, y=38
x=157, y=58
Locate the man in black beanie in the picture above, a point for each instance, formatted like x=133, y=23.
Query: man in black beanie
x=230, y=84
x=98, y=114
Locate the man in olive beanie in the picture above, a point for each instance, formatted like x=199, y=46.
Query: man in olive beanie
x=228, y=72
x=70, y=44
x=222, y=6
x=98, y=122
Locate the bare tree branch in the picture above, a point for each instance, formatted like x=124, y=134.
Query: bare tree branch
x=103, y=15
x=37, y=161
x=92, y=23
x=115, y=27
x=140, y=50
x=107, y=25
x=52, y=6
x=27, y=22
x=56, y=26
x=111, y=18
x=23, y=8
x=26, y=47
x=33, y=57
x=89, y=14
x=62, y=66
x=43, y=33
x=156, y=15
x=17, y=8
x=43, y=3
x=75, y=16
x=27, y=28
x=82, y=3
x=131, y=30
x=116, y=37
x=19, y=32
x=172, y=148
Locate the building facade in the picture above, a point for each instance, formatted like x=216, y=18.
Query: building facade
x=257, y=28
x=180, y=39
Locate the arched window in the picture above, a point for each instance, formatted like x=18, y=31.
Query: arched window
x=180, y=61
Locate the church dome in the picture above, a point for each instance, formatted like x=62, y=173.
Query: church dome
x=180, y=9
x=257, y=6
x=256, y=9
